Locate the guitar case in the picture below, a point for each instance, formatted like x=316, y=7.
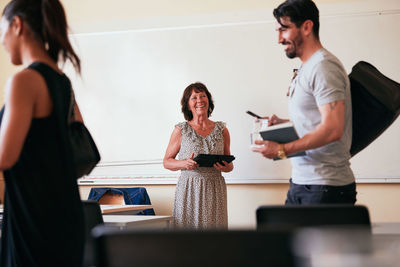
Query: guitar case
x=375, y=104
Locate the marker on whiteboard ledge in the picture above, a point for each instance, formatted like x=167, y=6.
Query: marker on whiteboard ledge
x=253, y=114
x=86, y=182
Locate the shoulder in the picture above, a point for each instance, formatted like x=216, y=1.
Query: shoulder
x=325, y=62
x=28, y=76
x=224, y=131
x=181, y=125
x=176, y=133
x=26, y=82
x=327, y=69
x=221, y=126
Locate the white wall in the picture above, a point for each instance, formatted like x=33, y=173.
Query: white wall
x=137, y=77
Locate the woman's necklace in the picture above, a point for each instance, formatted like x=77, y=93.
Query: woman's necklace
x=199, y=127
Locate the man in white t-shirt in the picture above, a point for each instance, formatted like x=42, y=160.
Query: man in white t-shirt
x=320, y=109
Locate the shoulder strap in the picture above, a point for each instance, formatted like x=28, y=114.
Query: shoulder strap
x=220, y=126
x=43, y=70
x=47, y=74
x=71, y=112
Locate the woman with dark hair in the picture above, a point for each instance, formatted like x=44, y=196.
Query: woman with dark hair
x=43, y=223
x=200, y=196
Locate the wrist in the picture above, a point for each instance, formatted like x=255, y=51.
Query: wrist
x=281, y=152
x=183, y=165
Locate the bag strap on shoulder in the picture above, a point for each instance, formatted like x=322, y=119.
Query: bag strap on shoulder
x=71, y=112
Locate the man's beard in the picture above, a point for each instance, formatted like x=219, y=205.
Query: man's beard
x=291, y=54
x=296, y=44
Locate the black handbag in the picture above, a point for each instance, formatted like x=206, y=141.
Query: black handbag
x=375, y=104
x=84, y=149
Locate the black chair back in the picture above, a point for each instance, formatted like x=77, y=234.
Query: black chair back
x=193, y=248
x=312, y=216
x=93, y=217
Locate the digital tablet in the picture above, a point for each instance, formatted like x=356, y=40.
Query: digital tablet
x=208, y=160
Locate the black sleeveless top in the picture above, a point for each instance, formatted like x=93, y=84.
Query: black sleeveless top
x=43, y=223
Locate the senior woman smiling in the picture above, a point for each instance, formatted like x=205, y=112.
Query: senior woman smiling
x=200, y=196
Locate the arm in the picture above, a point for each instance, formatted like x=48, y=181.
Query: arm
x=225, y=167
x=174, y=145
x=329, y=130
x=20, y=99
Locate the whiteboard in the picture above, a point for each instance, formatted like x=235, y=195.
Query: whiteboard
x=132, y=82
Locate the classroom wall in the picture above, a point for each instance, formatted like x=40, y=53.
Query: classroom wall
x=243, y=200
x=88, y=15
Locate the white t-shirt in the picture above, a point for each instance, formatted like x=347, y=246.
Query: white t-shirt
x=321, y=80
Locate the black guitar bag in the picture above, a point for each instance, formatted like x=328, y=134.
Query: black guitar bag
x=376, y=104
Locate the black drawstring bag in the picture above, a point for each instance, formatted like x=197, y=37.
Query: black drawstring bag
x=376, y=104
x=84, y=150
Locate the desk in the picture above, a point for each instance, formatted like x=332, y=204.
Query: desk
x=123, y=209
x=353, y=247
x=115, y=209
x=138, y=221
x=386, y=228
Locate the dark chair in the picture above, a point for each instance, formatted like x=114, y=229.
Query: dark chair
x=312, y=215
x=93, y=217
x=193, y=248
x=130, y=195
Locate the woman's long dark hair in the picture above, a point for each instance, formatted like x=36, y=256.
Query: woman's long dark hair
x=47, y=20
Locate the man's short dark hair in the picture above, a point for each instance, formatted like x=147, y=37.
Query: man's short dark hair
x=299, y=11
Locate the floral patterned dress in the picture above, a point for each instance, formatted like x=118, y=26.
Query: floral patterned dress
x=200, y=196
